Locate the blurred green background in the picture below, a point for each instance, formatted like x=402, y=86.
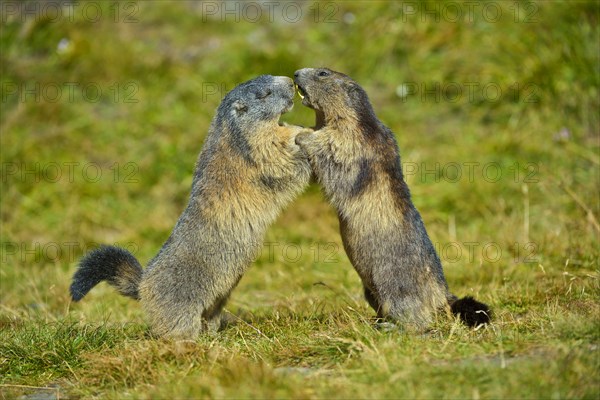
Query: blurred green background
x=105, y=106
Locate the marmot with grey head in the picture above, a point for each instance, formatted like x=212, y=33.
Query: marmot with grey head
x=356, y=160
x=248, y=170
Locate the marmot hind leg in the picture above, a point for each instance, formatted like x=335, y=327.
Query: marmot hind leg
x=373, y=301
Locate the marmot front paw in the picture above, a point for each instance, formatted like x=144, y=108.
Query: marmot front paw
x=303, y=137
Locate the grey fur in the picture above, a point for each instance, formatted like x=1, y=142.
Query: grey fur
x=356, y=159
x=248, y=170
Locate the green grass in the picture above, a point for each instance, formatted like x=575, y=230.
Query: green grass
x=525, y=242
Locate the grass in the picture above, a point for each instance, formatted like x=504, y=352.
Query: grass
x=506, y=179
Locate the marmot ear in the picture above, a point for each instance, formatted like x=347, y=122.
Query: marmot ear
x=240, y=107
x=351, y=86
x=355, y=89
x=263, y=93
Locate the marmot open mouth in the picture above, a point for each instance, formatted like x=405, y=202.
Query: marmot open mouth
x=301, y=91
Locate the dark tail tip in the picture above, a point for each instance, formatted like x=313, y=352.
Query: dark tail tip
x=471, y=311
x=77, y=293
x=106, y=263
x=91, y=271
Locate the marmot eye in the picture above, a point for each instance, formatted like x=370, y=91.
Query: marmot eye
x=263, y=93
x=323, y=73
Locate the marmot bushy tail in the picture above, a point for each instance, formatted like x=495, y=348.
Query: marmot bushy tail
x=249, y=169
x=471, y=311
x=115, y=265
x=356, y=159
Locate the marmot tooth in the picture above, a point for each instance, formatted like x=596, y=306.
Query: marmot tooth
x=298, y=90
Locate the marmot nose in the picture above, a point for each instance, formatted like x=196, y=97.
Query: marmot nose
x=296, y=74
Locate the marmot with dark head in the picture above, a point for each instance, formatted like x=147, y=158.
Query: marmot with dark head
x=248, y=170
x=356, y=160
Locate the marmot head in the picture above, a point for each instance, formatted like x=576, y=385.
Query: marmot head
x=251, y=110
x=260, y=100
x=333, y=94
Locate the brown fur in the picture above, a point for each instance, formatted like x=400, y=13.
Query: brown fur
x=248, y=170
x=356, y=159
